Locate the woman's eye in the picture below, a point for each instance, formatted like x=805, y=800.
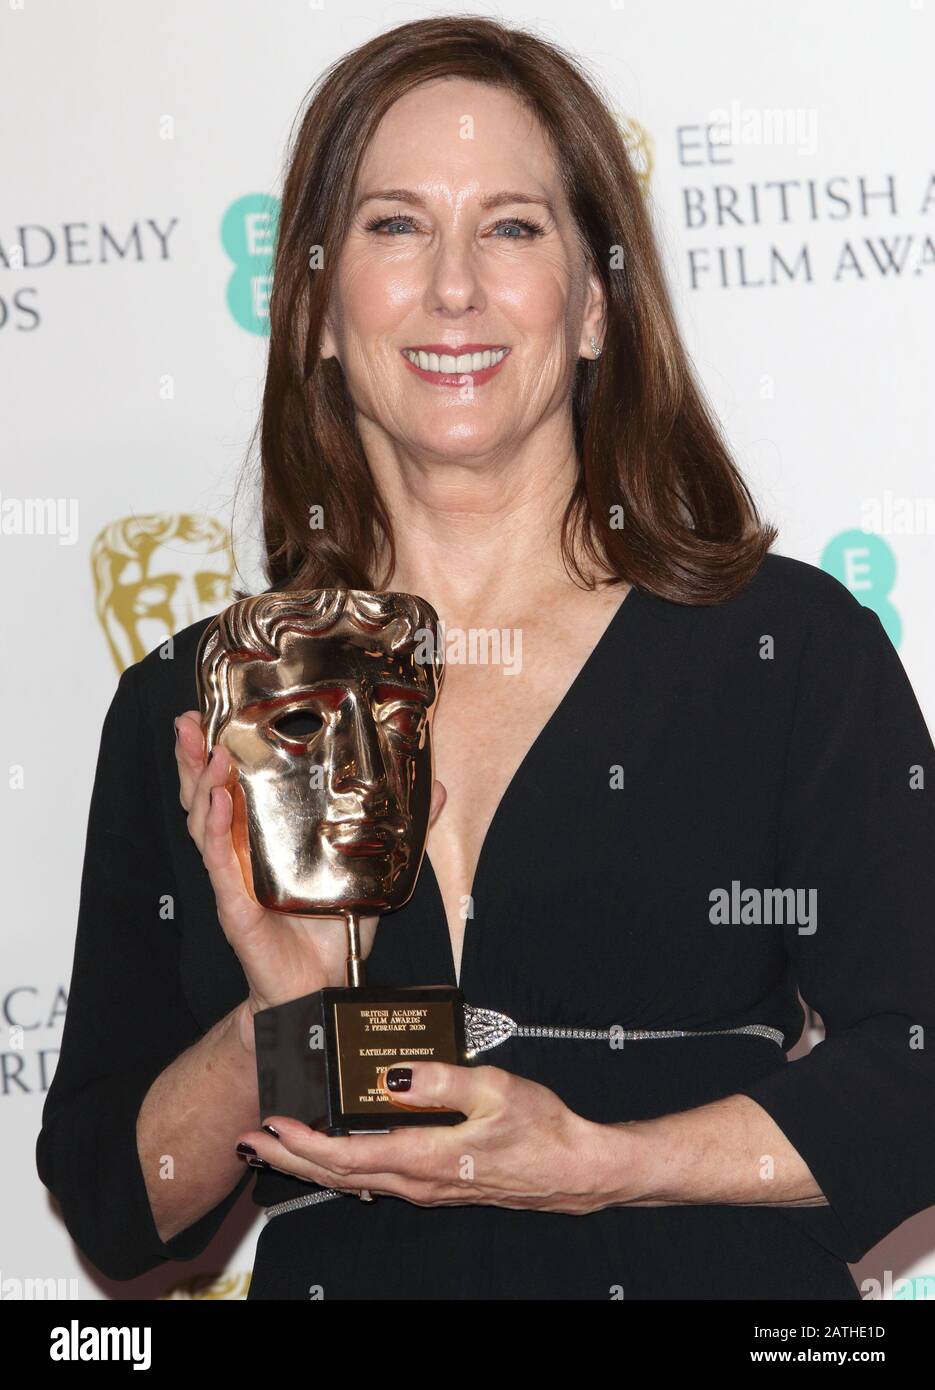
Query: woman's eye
x=517, y=224
x=298, y=725
x=379, y=224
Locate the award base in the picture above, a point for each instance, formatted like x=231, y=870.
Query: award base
x=319, y=1058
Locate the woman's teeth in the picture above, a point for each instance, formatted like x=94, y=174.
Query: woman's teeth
x=466, y=362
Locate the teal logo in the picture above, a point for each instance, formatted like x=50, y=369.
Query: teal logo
x=866, y=565
x=248, y=235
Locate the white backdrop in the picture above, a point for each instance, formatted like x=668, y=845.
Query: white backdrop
x=139, y=144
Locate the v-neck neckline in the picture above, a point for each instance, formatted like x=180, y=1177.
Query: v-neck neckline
x=590, y=662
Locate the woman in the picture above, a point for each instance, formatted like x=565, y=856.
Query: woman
x=700, y=792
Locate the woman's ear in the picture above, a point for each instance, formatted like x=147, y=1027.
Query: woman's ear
x=326, y=344
x=594, y=324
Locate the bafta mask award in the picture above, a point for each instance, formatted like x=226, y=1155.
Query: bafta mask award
x=323, y=699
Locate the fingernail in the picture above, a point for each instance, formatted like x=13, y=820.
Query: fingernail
x=269, y=1130
x=399, y=1078
x=257, y=1163
x=245, y=1149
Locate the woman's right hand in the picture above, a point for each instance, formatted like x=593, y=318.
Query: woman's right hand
x=283, y=957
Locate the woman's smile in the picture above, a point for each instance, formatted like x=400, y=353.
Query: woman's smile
x=474, y=364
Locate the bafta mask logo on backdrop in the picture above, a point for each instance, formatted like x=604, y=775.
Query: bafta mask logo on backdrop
x=248, y=235
x=866, y=565
x=640, y=148
x=154, y=575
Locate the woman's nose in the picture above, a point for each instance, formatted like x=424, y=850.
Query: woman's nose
x=454, y=280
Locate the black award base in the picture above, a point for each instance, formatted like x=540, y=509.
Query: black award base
x=319, y=1058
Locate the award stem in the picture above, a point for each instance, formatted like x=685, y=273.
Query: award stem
x=354, y=967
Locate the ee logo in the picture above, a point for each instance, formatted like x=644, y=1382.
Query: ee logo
x=248, y=235
x=866, y=565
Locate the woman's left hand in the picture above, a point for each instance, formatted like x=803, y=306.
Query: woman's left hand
x=520, y=1146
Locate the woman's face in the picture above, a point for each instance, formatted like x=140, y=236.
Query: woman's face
x=461, y=242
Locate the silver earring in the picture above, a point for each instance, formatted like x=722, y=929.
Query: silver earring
x=596, y=347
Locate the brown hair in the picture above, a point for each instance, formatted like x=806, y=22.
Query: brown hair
x=647, y=441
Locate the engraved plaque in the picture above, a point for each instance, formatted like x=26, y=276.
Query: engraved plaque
x=375, y=1035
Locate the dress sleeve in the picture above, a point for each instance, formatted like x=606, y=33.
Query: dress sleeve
x=857, y=823
x=126, y=1019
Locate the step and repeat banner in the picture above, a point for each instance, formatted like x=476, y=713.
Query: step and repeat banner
x=787, y=152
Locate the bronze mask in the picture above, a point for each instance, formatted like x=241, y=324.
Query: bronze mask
x=323, y=698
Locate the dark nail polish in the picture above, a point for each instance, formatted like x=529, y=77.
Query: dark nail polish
x=269, y=1130
x=399, y=1078
x=245, y=1149
x=257, y=1163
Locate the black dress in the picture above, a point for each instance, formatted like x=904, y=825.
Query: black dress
x=773, y=740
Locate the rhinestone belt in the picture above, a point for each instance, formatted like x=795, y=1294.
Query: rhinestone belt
x=485, y=1029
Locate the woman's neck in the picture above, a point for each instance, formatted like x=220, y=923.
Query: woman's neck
x=479, y=540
